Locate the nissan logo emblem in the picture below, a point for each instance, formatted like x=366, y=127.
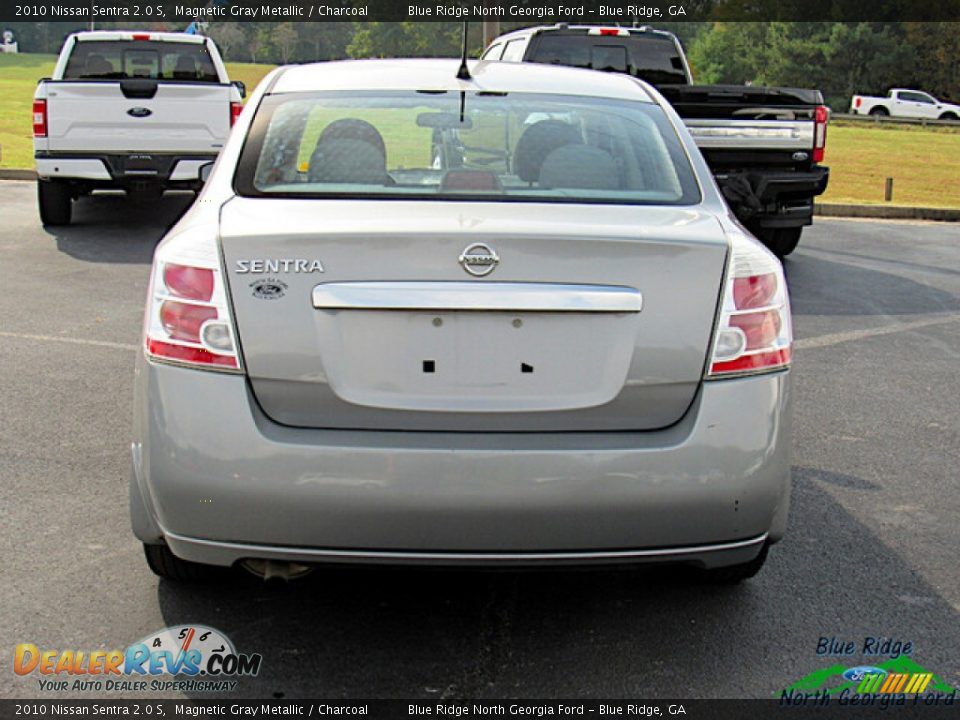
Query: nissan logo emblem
x=479, y=259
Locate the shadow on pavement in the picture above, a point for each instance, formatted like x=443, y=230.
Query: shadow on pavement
x=823, y=287
x=421, y=634
x=112, y=228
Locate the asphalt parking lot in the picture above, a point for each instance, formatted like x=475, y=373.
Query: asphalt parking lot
x=872, y=549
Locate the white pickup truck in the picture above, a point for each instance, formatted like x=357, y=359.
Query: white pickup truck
x=905, y=103
x=136, y=111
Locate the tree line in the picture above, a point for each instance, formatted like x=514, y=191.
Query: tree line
x=839, y=58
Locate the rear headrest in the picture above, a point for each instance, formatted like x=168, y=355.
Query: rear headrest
x=346, y=160
x=537, y=142
x=580, y=166
x=354, y=129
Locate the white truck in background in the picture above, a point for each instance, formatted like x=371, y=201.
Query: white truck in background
x=901, y=102
x=136, y=111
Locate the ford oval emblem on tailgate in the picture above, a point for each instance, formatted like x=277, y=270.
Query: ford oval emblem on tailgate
x=139, y=112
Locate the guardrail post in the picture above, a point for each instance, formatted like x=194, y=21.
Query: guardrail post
x=888, y=190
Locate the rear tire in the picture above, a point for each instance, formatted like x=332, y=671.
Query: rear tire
x=948, y=116
x=734, y=574
x=882, y=111
x=55, y=200
x=781, y=241
x=168, y=566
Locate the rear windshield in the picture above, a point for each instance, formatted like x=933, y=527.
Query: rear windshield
x=124, y=59
x=490, y=146
x=654, y=59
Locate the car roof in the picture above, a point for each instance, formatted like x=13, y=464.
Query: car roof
x=112, y=35
x=436, y=75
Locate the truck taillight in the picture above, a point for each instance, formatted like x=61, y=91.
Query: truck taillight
x=39, y=118
x=820, y=117
x=857, y=101
x=188, y=319
x=754, y=333
x=609, y=31
x=235, y=110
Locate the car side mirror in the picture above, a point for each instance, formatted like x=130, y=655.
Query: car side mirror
x=241, y=87
x=204, y=171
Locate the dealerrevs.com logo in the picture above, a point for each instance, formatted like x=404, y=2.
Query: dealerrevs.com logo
x=180, y=658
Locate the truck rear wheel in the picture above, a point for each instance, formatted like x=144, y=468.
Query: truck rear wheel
x=55, y=200
x=781, y=241
x=879, y=111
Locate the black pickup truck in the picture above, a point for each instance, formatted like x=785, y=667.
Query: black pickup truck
x=764, y=145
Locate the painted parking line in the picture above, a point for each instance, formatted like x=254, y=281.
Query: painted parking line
x=842, y=337
x=69, y=340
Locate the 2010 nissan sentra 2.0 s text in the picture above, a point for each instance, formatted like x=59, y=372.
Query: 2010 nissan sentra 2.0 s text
x=503, y=320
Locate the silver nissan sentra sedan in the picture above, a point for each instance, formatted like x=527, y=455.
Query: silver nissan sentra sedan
x=501, y=320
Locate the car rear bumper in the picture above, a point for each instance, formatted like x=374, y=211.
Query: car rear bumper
x=218, y=482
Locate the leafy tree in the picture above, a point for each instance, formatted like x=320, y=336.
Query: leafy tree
x=228, y=36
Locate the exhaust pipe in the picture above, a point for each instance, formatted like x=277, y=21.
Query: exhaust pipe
x=269, y=570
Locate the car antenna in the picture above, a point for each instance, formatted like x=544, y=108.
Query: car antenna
x=464, y=72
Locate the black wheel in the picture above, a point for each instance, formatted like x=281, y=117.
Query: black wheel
x=879, y=111
x=168, y=566
x=948, y=116
x=734, y=574
x=781, y=241
x=55, y=200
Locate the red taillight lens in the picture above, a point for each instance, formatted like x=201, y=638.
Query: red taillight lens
x=182, y=321
x=141, y=36
x=760, y=329
x=759, y=362
x=754, y=291
x=857, y=101
x=753, y=333
x=188, y=317
x=235, y=110
x=820, y=117
x=191, y=355
x=39, y=118
x=191, y=283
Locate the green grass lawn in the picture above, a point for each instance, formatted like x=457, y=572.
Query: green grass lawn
x=924, y=162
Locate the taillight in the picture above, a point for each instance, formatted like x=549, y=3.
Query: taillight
x=235, y=110
x=754, y=333
x=141, y=36
x=609, y=32
x=857, y=101
x=40, y=118
x=820, y=116
x=188, y=319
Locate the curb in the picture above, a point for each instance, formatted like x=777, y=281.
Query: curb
x=886, y=212
x=17, y=174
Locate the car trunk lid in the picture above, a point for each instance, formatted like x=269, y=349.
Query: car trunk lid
x=362, y=314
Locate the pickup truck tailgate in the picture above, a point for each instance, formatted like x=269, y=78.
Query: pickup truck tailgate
x=159, y=116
